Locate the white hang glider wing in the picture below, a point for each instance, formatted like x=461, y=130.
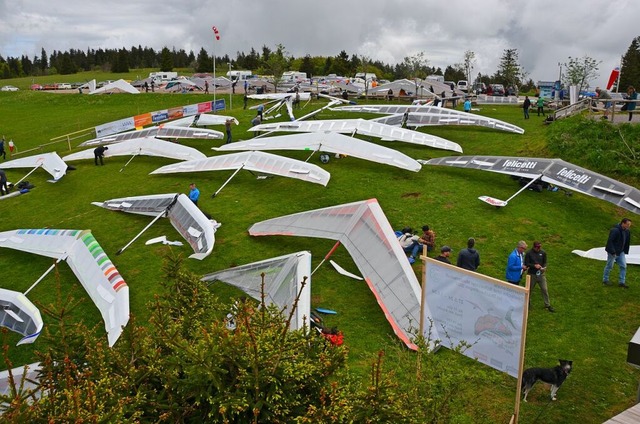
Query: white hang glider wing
x=50, y=162
x=253, y=161
x=598, y=253
x=26, y=377
x=147, y=146
x=279, y=96
x=163, y=131
x=282, y=283
x=185, y=216
x=328, y=142
x=366, y=233
x=119, y=86
x=555, y=171
x=201, y=120
x=363, y=127
x=18, y=314
x=89, y=263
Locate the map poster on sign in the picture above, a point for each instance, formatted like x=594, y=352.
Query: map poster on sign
x=485, y=312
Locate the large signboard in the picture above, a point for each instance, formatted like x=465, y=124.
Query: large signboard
x=485, y=312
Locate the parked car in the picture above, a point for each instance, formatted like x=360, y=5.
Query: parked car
x=463, y=85
x=498, y=90
x=479, y=87
x=9, y=88
x=63, y=86
x=36, y=87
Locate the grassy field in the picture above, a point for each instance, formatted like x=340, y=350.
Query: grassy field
x=592, y=325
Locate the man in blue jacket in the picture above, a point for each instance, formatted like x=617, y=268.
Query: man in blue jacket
x=617, y=247
x=515, y=263
x=194, y=193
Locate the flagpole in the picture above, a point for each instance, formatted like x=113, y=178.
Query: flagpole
x=214, y=75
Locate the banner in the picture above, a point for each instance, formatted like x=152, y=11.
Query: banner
x=114, y=127
x=482, y=311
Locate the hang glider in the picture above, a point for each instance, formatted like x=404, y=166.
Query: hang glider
x=252, y=161
x=279, y=96
x=147, y=146
x=600, y=254
x=366, y=233
x=185, y=216
x=202, y=120
x=18, y=314
x=554, y=171
x=282, y=283
x=119, y=86
x=418, y=116
x=86, y=258
x=50, y=162
x=163, y=131
x=363, y=127
x=328, y=142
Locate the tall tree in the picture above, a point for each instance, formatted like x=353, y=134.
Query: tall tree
x=204, y=62
x=630, y=72
x=166, y=60
x=44, y=63
x=580, y=71
x=510, y=73
x=277, y=64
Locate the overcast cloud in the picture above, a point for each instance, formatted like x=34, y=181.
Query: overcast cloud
x=545, y=32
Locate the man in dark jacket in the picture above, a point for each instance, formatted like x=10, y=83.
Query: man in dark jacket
x=536, y=262
x=469, y=258
x=617, y=247
x=98, y=153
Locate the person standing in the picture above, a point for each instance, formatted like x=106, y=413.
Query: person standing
x=194, y=193
x=445, y=251
x=2, y=151
x=617, y=247
x=536, y=262
x=515, y=263
x=469, y=258
x=540, y=105
x=632, y=94
x=3, y=183
x=245, y=99
x=227, y=127
x=206, y=87
x=260, y=111
x=606, y=97
x=525, y=107
x=98, y=153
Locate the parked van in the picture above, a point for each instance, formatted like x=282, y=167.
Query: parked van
x=239, y=75
x=463, y=85
x=294, y=76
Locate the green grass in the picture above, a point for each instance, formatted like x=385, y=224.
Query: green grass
x=592, y=325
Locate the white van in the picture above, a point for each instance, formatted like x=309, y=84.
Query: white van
x=463, y=85
x=239, y=75
x=294, y=76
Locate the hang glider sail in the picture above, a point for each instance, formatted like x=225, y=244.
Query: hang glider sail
x=50, y=162
x=328, y=142
x=282, y=283
x=366, y=233
x=88, y=261
x=363, y=127
x=598, y=253
x=18, y=314
x=147, y=146
x=418, y=116
x=119, y=86
x=253, y=161
x=202, y=120
x=164, y=131
x=185, y=216
x=555, y=171
x=279, y=96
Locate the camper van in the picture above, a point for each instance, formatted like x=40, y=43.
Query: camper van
x=366, y=76
x=239, y=75
x=294, y=76
x=163, y=76
x=438, y=78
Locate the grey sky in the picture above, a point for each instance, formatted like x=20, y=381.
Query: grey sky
x=544, y=32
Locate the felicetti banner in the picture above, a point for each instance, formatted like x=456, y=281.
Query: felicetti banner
x=156, y=117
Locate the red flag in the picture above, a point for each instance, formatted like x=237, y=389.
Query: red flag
x=613, y=77
x=216, y=32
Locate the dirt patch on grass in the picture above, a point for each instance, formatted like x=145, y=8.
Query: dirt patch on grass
x=408, y=195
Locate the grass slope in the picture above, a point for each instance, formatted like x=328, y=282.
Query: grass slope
x=592, y=325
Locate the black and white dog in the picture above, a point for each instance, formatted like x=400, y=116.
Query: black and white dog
x=554, y=376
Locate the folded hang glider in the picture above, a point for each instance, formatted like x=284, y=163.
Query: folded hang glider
x=163, y=131
x=555, y=171
x=282, y=283
x=147, y=146
x=20, y=315
x=89, y=263
x=202, y=120
x=50, y=162
x=600, y=254
x=363, y=127
x=251, y=161
x=185, y=216
x=328, y=142
x=366, y=233
x=418, y=116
